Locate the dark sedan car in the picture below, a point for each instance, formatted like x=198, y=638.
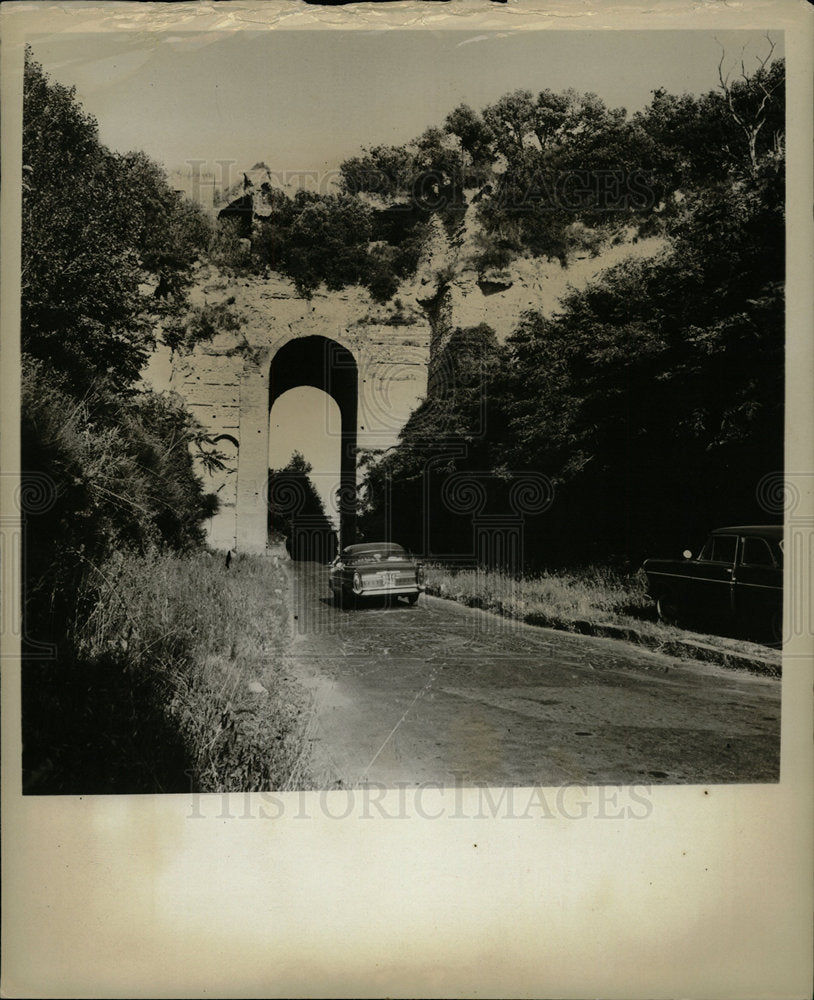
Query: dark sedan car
x=736, y=581
x=375, y=569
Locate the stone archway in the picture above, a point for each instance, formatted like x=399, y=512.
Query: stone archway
x=325, y=364
x=370, y=360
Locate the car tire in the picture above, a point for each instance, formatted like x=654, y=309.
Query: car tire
x=412, y=598
x=669, y=609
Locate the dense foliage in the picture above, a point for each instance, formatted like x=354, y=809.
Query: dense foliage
x=652, y=401
x=108, y=475
x=451, y=431
x=296, y=512
x=548, y=174
x=551, y=175
x=108, y=246
x=107, y=252
x=655, y=397
x=335, y=240
x=558, y=173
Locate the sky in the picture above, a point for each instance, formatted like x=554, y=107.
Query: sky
x=306, y=100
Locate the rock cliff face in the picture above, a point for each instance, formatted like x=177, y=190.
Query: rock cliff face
x=388, y=351
x=453, y=292
x=449, y=287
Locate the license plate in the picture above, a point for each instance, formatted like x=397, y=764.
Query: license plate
x=386, y=579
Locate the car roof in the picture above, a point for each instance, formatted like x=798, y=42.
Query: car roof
x=362, y=547
x=772, y=531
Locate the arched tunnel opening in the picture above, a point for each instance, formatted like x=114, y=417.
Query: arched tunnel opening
x=324, y=364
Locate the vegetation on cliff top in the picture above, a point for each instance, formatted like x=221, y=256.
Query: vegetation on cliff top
x=546, y=175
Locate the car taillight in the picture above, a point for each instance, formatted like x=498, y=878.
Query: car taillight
x=419, y=575
x=357, y=582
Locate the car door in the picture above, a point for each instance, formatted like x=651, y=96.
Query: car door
x=712, y=590
x=335, y=574
x=759, y=583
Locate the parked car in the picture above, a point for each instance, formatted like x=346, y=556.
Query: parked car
x=375, y=569
x=736, y=581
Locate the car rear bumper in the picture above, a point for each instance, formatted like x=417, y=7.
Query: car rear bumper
x=368, y=591
x=387, y=591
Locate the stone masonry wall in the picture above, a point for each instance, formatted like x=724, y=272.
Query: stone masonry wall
x=225, y=383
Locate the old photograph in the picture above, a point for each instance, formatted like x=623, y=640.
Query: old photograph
x=441, y=445
x=407, y=513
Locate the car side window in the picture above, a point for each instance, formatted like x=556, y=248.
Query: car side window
x=720, y=549
x=756, y=552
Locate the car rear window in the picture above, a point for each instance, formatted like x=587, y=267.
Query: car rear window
x=756, y=552
x=373, y=551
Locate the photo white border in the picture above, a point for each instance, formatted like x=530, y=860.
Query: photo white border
x=708, y=895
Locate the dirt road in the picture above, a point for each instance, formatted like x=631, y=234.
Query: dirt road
x=448, y=694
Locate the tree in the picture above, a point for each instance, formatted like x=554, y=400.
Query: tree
x=510, y=121
x=475, y=139
x=687, y=348
x=100, y=232
x=337, y=240
x=687, y=142
x=169, y=232
x=328, y=242
x=97, y=228
x=450, y=431
x=752, y=101
x=296, y=512
x=568, y=166
x=383, y=170
x=82, y=310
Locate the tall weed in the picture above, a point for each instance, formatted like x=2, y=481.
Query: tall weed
x=173, y=682
x=598, y=593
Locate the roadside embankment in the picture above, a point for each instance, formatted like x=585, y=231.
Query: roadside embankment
x=599, y=602
x=172, y=682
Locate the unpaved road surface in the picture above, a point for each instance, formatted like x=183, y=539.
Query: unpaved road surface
x=448, y=694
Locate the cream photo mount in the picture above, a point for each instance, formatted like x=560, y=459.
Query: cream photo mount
x=420, y=890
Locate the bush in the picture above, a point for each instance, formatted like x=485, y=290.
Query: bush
x=382, y=281
x=120, y=473
x=200, y=325
x=296, y=512
x=492, y=252
x=228, y=249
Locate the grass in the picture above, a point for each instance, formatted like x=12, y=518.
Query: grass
x=171, y=681
x=595, y=600
x=595, y=593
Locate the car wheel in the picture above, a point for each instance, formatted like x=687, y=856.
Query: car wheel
x=669, y=609
x=412, y=598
